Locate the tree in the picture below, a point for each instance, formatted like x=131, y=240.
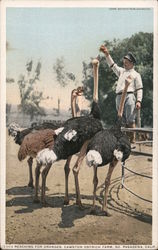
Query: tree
x=63, y=78
x=8, y=110
x=10, y=80
x=30, y=98
x=141, y=45
x=8, y=48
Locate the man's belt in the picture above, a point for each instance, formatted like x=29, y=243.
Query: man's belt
x=130, y=92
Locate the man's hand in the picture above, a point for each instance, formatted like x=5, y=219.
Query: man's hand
x=104, y=50
x=138, y=105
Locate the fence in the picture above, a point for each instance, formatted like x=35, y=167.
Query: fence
x=139, y=130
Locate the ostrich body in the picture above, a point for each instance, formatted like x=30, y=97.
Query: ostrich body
x=81, y=130
x=36, y=141
x=32, y=140
x=74, y=138
x=108, y=147
x=105, y=142
x=28, y=140
x=84, y=128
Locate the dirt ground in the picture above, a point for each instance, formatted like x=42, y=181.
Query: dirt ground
x=130, y=222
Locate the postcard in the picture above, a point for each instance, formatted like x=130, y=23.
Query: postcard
x=72, y=175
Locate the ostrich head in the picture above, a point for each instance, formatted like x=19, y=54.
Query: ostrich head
x=80, y=90
x=77, y=92
x=13, y=129
x=74, y=94
x=95, y=62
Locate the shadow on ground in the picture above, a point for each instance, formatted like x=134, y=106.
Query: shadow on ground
x=23, y=197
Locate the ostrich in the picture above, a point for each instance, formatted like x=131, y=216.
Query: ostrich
x=19, y=135
x=33, y=140
x=108, y=147
x=74, y=138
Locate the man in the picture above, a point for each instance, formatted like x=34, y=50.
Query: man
x=135, y=90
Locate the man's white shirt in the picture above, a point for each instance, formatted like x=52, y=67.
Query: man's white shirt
x=122, y=74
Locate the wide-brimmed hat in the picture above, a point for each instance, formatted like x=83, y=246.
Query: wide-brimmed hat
x=130, y=57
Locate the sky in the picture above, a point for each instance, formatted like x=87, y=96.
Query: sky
x=75, y=34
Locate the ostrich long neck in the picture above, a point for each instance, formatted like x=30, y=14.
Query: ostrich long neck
x=73, y=105
x=122, y=102
x=95, y=63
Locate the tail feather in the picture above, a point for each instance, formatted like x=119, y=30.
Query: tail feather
x=22, y=154
x=93, y=158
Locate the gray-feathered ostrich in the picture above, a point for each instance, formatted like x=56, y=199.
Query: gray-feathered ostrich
x=74, y=138
x=33, y=140
x=108, y=146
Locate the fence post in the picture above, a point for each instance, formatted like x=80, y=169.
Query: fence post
x=138, y=119
x=123, y=172
x=139, y=126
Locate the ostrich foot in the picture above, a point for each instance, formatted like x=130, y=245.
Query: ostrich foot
x=45, y=203
x=104, y=213
x=46, y=188
x=36, y=200
x=30, y=184
x=79, y=203
x=66, y=201
x=93, y=211
x=82, y=207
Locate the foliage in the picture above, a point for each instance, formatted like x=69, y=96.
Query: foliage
x=62, y=76
x=30, y=97
x=10, y=80
x=141, y=45
x=8, y=110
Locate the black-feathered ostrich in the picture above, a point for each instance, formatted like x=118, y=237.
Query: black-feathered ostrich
x=108, y=146
x=74, y=138
x=34, y=139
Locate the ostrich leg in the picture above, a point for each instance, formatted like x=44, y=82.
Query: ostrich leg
x=37, y=174
x=107, y=184
x=67, y=171
x=95, y=183
x=76, y=169
x=74, y=94
x=30, y=162
x=44, y=175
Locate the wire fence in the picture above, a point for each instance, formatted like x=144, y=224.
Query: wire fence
x=138, y=130
x=128, y=189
